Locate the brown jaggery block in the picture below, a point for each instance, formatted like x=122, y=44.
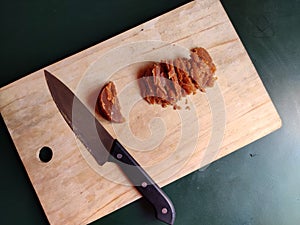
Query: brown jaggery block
x=172, y=76
x=187, y=83
x=202, y=69
x=159, y=81
x=204, y=56
x=166, y=82
x=108, y=103
x=153, y=85
x=147, y=86
x=200, y=74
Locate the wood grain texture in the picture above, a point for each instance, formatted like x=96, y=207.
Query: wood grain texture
x=169, y=144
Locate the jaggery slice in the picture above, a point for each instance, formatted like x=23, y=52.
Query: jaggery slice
x=183, y=77
x=108, y=103
x=204, y=56
x=172, y=76
x=159, y=81
x=202, y=69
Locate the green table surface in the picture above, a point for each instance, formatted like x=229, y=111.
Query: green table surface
x=256, y=185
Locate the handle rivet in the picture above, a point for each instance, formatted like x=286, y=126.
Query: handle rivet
x=144, y=184
x=119, y=156
x=164, y=210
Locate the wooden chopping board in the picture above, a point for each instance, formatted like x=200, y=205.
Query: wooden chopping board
x=168, y=143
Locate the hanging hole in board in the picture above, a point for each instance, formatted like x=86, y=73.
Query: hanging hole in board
x=45, y=154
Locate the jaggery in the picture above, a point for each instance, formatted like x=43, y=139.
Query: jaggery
x=108, y=104
x=167, y=82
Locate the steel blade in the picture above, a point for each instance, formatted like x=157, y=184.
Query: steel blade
x=83, y=123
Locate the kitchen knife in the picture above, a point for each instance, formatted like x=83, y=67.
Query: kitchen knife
x=104, y=148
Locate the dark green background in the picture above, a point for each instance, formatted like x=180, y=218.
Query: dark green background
x=257, y=185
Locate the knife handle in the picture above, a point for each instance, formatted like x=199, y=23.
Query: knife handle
x=143, y=183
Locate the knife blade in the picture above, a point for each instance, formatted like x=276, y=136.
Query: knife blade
x=104, y=148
